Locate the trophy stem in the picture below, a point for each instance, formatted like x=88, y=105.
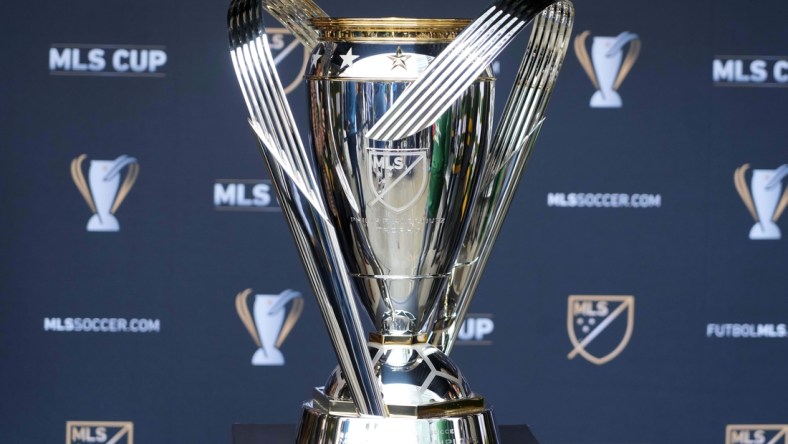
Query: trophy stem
x=292, y=14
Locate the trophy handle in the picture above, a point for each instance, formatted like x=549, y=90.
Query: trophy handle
x=292, y=174
x=744, y=192
x=296, y=179
x=125, y=187
x=508, y=157
x=242, y=307
x=458, y=66
x=79, y=180
x=585, y=61
x=629, y=60
x=296, y=15
x=511, y=147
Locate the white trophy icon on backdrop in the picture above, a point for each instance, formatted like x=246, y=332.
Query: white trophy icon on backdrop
x=105, y=193
x=607, y=67
x=766, y=202
x=269, y=323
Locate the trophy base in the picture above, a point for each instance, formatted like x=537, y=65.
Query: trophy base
x=319, y=426
x=286, y=433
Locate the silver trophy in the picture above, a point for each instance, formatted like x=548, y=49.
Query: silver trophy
x=404, y=221
x=765, y=199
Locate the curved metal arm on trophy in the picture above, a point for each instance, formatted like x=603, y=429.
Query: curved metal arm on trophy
x=293, y=177
x=511, y=147
x=453, y=71
x=296, y=16
x=269, y=111
x=317, y=246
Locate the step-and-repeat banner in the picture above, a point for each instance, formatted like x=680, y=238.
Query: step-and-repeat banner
x=636, y=293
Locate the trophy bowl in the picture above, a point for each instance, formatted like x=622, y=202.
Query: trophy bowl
x=400, y=209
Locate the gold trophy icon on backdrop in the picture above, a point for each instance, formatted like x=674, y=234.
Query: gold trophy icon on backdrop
x=269, y=323
x=765, y=199
x=607, y=67
x=104, y=192
x=399, y=200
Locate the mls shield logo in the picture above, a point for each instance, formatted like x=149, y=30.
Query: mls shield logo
x=756, y=434
x=599, y=326
x=398, y=178
x=283, y=43
x=107, y=432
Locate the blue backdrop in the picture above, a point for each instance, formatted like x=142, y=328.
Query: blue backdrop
x=631, y=297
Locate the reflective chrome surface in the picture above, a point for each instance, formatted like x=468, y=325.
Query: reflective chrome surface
x=410, y=375
x=404, y=225
x=400, y=208
x=297, y=191
x=295, y=15
x=457, y=67
x=320, y=427
x=511, y=147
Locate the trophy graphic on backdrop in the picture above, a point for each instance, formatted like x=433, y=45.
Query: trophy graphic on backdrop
x=401, y=198
x=766, y=202
x=269, y=323
x=105, y=193
x=610, y=67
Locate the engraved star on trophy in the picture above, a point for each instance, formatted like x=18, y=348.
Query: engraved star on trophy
x=399, y=201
